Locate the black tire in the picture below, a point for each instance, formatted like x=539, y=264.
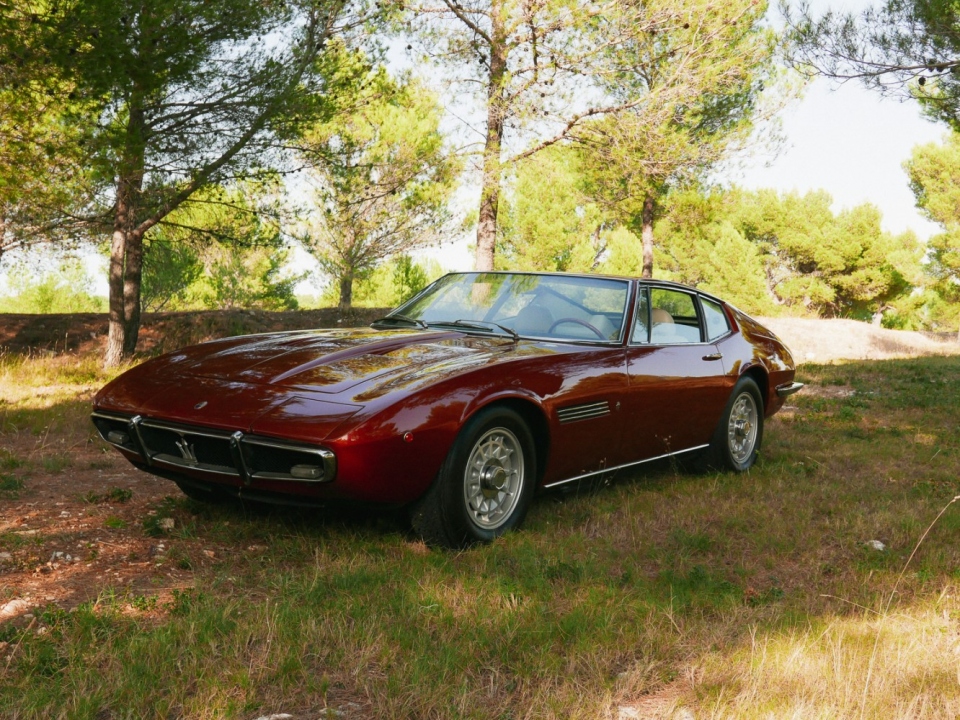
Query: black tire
x=463, y=506
x=201, y=494
x=737, y=438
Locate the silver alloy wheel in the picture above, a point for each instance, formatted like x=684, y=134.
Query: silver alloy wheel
x=493, y=478
x=742, y=427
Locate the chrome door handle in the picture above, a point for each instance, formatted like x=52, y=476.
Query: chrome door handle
x=715, y=356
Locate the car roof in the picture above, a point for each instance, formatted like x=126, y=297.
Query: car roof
x=627, y=278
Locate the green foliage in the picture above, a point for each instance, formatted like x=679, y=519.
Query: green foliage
x=113, y=495
x=391, y=284
x=702, y=84
x=254, y=278
x=623, y=256
x=934, y=171
x=169, y=98
x=840, y=265
x=219, y=277
x=731, y=266
x=69, y=289
x=172, y=86
x=385, y=177
x=409, y=278
x=223, y=249
x=10, y=485
x=764, y=250
x=40, y=157
x=170, y=268
x=549, y=221
x=641, y=83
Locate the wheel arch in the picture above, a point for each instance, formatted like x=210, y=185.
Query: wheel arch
x=759, y=375
x=536, y=420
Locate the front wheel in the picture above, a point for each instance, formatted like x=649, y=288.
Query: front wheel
x=485, y=485
x=736, y=441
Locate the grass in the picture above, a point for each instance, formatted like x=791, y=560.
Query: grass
x=733, y=596
x=45, y=410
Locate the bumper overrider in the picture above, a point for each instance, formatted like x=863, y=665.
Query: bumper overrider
x=214, y=456
x=788, y=389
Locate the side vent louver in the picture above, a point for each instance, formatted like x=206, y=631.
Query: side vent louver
x=583, y=412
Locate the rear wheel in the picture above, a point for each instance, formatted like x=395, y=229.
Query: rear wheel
x=736, y=441
x=485, y=485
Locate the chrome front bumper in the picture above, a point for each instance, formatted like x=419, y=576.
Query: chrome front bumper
x=788, y=389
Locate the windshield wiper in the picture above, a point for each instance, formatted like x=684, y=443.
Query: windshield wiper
x=403, y=319
x=478, y=325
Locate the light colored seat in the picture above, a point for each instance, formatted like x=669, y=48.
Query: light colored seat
x=660, y=316
x=664, y=329
x=533, y=320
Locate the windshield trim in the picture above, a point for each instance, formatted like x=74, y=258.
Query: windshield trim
x=628, y=283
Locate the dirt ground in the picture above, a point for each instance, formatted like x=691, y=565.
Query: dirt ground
x=92, y=525
x=825, y=341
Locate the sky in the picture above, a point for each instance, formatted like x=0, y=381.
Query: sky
x=852, y=143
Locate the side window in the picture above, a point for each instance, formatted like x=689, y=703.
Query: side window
x=641, y=323
x=673, y=317
x=716, y=319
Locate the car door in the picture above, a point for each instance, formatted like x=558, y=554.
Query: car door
x=587, y=415
x=677, y=387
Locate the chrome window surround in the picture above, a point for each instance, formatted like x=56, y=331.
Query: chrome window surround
x=241, y=448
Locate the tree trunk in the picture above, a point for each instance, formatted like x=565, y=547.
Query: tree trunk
x=115, y=324
x=126, y=271
x=647, y=235
x=490, y=193
x=878, y=315
x=126, y=248
x=132, y=276
x=346, y=292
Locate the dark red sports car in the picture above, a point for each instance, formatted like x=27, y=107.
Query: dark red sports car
x=461, y=403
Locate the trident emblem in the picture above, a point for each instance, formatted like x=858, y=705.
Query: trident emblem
x=186, y=449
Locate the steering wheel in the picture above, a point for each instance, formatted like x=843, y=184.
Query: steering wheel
x=577, y=321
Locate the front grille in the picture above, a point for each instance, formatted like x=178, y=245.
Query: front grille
x=216, y=452
x=583, y=412
x=186, y=447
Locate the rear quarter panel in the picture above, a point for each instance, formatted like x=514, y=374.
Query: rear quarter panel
x=755, y=347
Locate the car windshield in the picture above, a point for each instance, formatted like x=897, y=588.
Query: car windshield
x=558, y=307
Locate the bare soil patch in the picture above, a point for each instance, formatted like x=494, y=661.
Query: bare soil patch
x=830, y=340
x=71, y=534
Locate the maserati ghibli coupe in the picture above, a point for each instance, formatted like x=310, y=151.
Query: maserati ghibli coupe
x=460, y=404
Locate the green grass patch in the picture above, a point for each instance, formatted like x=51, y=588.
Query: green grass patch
x=10, y=486
x=113, y=495
x=748, y=596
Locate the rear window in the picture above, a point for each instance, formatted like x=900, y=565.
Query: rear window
x=716, y=319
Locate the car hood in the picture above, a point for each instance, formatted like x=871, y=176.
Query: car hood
x=300, y=383
x=337, y=361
